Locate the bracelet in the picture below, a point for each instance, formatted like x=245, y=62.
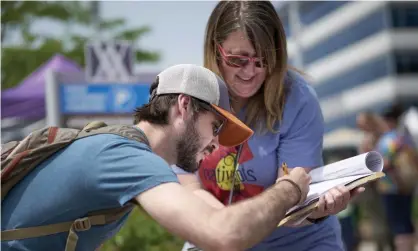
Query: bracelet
x=295, y=185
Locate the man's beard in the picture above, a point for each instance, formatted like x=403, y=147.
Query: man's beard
x=187, y=148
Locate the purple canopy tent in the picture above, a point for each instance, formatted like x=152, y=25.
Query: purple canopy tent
x=27, y=100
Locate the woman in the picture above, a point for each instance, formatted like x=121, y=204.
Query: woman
x=245, y=44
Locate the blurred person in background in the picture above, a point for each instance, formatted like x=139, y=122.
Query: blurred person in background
x=246, y=44
x=370, y=202
x=401, y=163
x=400, y=167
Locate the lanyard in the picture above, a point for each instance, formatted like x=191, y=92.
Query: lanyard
x=236, y=166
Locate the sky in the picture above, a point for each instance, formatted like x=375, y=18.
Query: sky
x=177, y=28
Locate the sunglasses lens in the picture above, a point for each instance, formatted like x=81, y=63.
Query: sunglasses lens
x=237, y=61
x=242, y=62
x=218, y=129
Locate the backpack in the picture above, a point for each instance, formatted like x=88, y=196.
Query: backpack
x=19, y=158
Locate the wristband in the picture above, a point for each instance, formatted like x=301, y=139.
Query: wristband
x=295, y=185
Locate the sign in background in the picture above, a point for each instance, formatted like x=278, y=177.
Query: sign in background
x=102, y=98
x=108, y=90
x=109, y=61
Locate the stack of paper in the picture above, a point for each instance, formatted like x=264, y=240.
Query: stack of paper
x=351, y=172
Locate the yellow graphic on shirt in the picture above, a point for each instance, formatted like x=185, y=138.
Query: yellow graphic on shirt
x=225, y=171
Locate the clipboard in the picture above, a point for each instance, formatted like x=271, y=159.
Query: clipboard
x=304, y=211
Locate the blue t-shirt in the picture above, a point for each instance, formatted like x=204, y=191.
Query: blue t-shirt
x=99, y=172
x=298, y=144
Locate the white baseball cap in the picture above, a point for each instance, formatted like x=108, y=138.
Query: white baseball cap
x=203, y=84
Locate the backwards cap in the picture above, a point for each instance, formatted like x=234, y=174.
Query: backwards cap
x=203, y=84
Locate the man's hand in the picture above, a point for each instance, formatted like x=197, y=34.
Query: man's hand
x=334, y=201
x=302, y=179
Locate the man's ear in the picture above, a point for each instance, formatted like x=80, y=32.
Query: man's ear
x=183, y=105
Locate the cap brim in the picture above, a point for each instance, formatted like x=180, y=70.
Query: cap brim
x=234, y=132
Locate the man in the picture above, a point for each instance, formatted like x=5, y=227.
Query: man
x=187, y=115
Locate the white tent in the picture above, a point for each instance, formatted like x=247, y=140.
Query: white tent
x=344, y=137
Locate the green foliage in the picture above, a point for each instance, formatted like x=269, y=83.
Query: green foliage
x=18, y=17
x=415, y=209
x=142, y=233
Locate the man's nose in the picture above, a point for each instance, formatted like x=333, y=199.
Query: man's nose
x=215, y=143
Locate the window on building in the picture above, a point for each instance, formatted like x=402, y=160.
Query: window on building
x=283, y=13
x=310, y=11
x=290, y=61
x=404, y=14
x=406, y=62
x=342, y=122
x=363, y=28
x=338, y=153
x=367, y=72
x=286, y=26
x=349, y=120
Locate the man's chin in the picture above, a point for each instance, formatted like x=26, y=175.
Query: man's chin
x=189, y=168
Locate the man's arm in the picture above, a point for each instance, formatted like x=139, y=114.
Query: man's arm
x=192, y=183
x=236, y=227
x=129, y=171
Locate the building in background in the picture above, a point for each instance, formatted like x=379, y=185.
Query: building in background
x=360, y=55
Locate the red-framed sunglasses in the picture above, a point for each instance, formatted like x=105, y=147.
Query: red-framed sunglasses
x=240, y=60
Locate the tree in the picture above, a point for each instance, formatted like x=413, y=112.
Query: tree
x=141, y=232
x=18, y=18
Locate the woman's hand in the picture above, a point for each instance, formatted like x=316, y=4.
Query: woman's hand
x=335, y=201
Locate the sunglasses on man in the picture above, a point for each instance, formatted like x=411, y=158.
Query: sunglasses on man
x=217, y=128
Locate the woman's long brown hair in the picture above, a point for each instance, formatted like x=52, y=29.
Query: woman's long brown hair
x=260, y=22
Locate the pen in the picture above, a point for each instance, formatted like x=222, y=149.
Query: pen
x=285, y=169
